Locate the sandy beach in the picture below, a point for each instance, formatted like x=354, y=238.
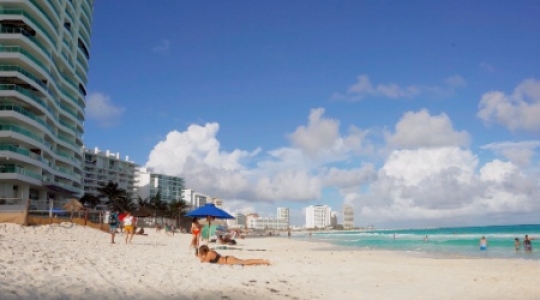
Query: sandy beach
x=66, y=261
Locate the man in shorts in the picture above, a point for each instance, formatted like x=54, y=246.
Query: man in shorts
x=114, y=222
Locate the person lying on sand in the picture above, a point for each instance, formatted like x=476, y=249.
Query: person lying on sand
x=210, y=256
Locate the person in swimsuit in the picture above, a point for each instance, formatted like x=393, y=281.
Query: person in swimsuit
x=517, y=244
x=210, y=256
x=527, y=243
x=195, y=231
x=129, y=224
x=483, y=243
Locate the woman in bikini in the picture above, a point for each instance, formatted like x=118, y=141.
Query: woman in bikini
x=195, y=231
x=129, y=224
x=211, y=256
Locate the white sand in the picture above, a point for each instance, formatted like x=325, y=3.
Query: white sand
x=73, y=262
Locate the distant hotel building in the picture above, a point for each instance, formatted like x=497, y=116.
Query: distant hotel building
x=195, y=199
x=150, y=183
x=239, y=221
x=283, y=214
x=100, y=167
x=254, y=221
x=348, y=217
x=333, y=219
x=44, y=53
x=318, y=216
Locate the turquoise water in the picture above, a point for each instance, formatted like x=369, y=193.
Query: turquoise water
x=458, y=241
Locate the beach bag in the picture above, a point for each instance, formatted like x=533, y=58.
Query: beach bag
x=112, y=220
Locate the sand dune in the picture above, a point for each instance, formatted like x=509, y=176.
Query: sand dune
x=73, y=262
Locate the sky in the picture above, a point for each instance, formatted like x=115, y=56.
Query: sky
x=416, y=113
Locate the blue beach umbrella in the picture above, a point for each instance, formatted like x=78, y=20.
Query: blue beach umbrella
x=209, y=211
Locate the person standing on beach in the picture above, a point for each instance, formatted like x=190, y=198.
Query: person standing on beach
x=483, y=243
x=527, y=243
x=114, y=222
x=195, y=231
x=129, y=226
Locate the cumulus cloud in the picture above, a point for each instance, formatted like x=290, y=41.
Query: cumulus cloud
x=420, y=129
x=100, y=108
x=517, y=111
x=438, y=185
x=163, y=47
x=519, y=153
x=295, y=173
x=364, y=88
x=321, y=138
x=428, y=178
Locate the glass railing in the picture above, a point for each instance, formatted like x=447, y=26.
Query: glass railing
x=67, y=140
x=8, y=68
x=67, y=156
x=27, y=133
x=42, y=11
x=10, y=168
x=82, y=76
x=73, y=99
x=21, y=12
x=67, y=43
x=68, y=13
x=82, y=60
x=26, y=35
x=86, y=12
x=85, y=37
x=69, y=111
x=12, y=87
x=25, y=152
x=86, y=24
x=22, y=111
x=53, y=5
x=17, y=49
x=72, y=128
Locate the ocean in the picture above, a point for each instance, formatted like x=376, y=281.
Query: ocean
x=441, y=242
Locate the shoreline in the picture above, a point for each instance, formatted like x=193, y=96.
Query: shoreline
x=80, y=263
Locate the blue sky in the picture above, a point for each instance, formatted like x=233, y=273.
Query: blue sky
x=418, y=113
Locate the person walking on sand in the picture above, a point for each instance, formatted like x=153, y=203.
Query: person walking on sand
x=195, y=231
x=483, y=244
x=527, y=245
x=114, y=222
x=129, y=222
x=206, y=255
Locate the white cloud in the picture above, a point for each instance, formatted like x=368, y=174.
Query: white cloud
x=520, y=110
x=100, y=109
x=427, y=181
x=364, y=88
x=420, y=129
x=519, y=153
x=163, y=47
x=439, y=185
x=321, y=138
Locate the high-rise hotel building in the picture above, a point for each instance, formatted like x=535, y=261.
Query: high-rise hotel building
x=150, y=183
x=44, y=53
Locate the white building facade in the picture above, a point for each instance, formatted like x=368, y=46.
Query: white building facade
x=195, y=199
x=283, y=214
x=44, y=53
x=150, y=183
x=348, y=217
x=318, y=216
x=100, y=167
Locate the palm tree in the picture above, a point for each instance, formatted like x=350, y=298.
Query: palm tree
x=115, y=197
x=89, y=200
x=177, y=210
